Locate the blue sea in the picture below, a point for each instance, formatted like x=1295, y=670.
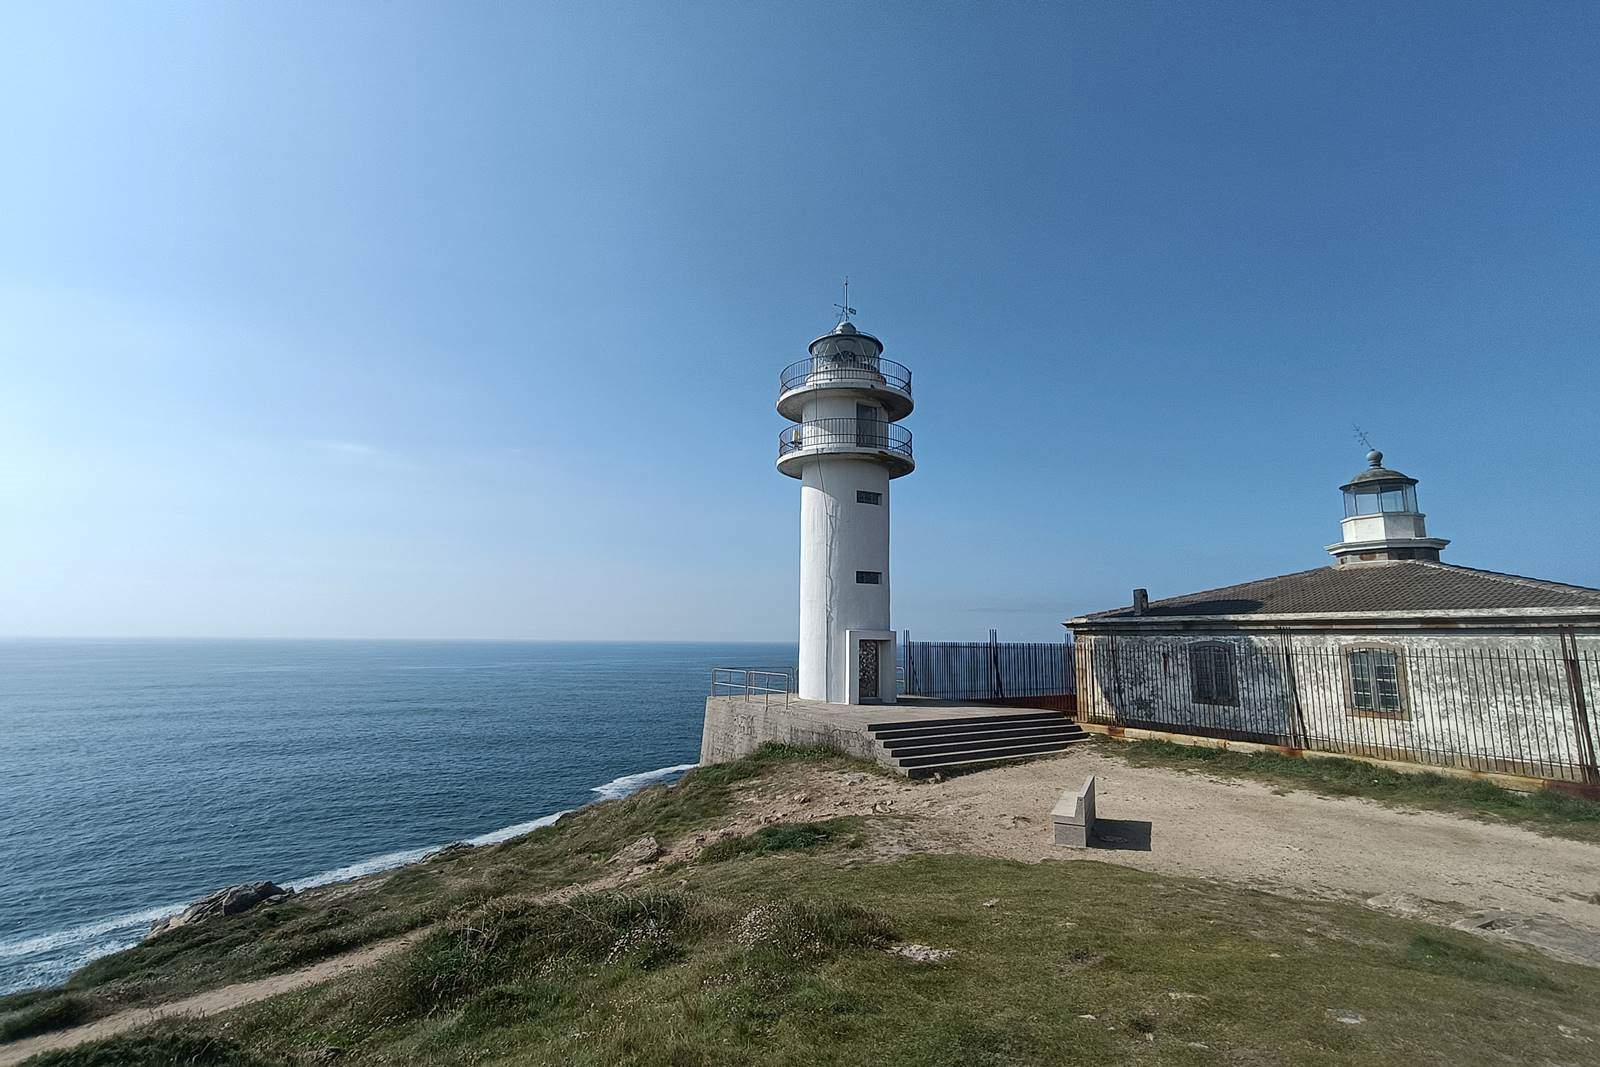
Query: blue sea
x=137, y=776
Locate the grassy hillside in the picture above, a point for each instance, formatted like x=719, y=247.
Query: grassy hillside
x=778, y=948
x=311, y=926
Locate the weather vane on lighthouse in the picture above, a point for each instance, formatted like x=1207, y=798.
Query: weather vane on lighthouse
x=845, y=310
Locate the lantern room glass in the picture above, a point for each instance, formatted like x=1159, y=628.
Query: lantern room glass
x=1374, y=498
x=845, y=349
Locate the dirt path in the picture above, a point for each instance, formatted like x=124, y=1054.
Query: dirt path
x=208, y=1003
x=1242, y=831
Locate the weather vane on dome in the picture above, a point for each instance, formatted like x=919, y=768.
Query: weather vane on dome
x=845, y=310
x=1374, y=457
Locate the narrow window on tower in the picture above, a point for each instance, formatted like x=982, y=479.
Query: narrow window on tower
x=869, y=577
x=864, y=497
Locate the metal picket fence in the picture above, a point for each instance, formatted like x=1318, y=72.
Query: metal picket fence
x=1523, y=711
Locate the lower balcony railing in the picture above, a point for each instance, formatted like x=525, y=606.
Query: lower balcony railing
x=845, y=435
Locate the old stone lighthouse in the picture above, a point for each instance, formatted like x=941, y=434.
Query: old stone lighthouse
x=845, y=448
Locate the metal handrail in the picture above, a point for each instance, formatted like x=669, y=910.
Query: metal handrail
x=845, y=368
x=845, y=433
x=752, y=683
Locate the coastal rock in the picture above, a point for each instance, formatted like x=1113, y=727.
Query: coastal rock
x=922, y=953
x=229, y=901
x=645, y=850
x=454, y=848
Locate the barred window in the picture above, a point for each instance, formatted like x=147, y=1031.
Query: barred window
x=1375, y=681
x=864, y=497
x=869, y=577
x=1211, y=671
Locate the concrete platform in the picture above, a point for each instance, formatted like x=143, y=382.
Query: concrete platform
x=916, y=735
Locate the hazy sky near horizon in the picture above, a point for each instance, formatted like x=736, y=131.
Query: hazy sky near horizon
x=440, y=320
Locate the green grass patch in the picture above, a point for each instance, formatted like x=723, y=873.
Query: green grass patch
x=1546, y=811
x=508, y=943
x=789, y=837
x=166, y=1050
x=1438, y=953
x=43, y=1014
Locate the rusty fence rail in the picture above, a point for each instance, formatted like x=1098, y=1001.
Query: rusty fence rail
x=1032, y=673
x=1517, y=711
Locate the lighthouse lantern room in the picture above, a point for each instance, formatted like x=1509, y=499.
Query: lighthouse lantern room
x=846, y=400
x=1381, y=519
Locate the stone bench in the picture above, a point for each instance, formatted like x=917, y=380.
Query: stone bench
x=1073, y=815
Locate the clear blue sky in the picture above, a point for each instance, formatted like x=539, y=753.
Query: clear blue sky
x=464, y=320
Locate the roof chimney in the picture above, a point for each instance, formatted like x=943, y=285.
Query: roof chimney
x=1141, y=601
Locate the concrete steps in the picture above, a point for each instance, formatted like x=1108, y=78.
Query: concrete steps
x=936, y=743
x=944, y=746
x=960, y=726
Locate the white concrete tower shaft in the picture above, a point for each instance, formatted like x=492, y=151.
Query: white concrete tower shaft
x=846, y=446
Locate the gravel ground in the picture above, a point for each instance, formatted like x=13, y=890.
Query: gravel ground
x=1497, y=879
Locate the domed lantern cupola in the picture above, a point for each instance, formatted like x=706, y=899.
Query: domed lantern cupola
x=1381, y=520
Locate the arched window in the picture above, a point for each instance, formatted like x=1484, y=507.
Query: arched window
x=1212, y=675
x=1375, y=680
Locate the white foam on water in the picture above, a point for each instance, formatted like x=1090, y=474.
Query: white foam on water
x=618, y=788
x=371, y=865
x=78, y=935
x=494, y=837
x=391, y=860
x=100, y=931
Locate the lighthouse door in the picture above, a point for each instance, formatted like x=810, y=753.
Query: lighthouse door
x=869, y=427
x=868, y=671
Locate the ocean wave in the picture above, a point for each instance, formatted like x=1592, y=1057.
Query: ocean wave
x=361, y=868
x=82, y=934
x=494, y=837
x=30, y=974
x=618, y=788
x=95, y=939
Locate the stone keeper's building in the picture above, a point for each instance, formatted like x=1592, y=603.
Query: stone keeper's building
x=1389, y=652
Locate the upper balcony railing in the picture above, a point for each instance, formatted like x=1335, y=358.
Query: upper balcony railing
x=847, y=370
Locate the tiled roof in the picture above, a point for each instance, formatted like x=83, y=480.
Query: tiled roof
x=1400, y=586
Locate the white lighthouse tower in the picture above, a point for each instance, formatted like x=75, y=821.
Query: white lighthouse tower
x=846, y=447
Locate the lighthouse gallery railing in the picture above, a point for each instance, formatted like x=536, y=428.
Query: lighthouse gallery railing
x=845, y=369
x=825, y=434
